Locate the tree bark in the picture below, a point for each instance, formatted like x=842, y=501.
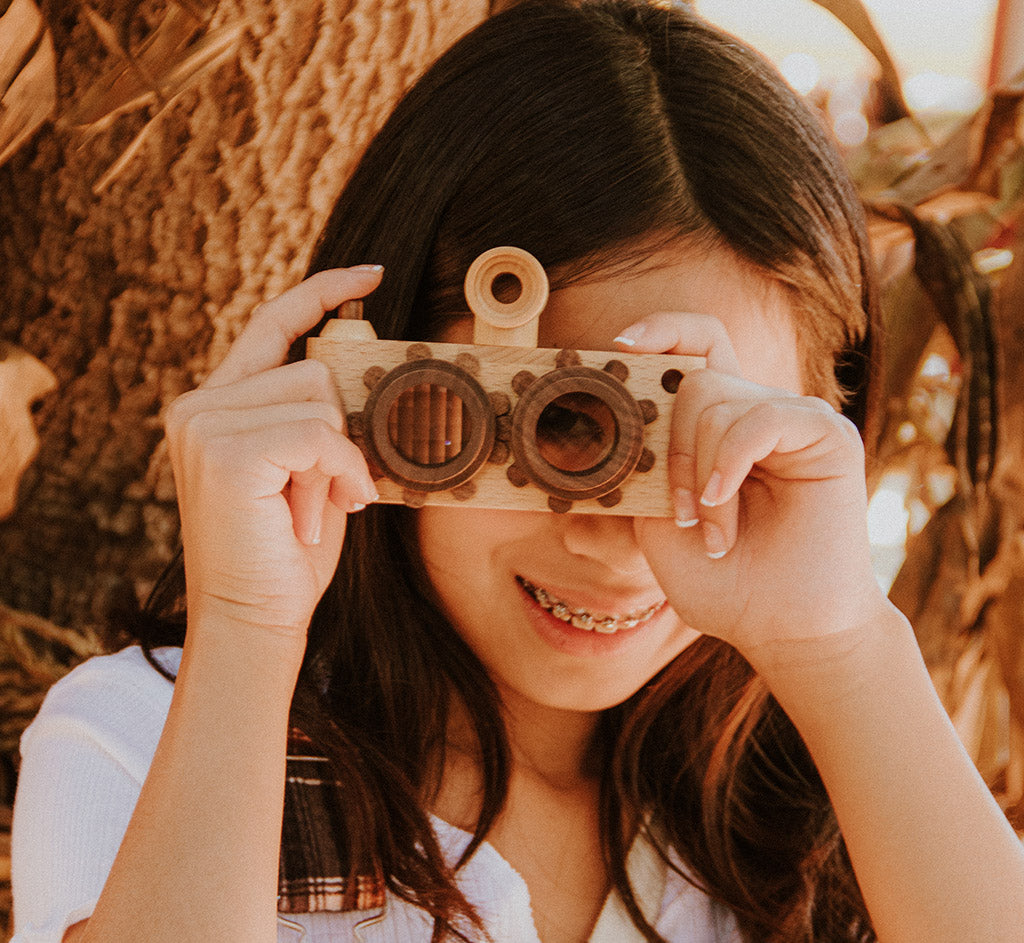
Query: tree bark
x=129, y=295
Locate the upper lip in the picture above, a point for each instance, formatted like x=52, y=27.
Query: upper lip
x=598, y=601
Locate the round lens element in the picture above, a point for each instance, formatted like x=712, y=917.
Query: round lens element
x=576, y=432
x=429, y=425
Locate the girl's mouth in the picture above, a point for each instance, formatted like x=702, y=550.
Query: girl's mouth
x=582, y=618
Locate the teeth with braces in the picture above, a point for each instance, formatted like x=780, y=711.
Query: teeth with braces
x=583, y=619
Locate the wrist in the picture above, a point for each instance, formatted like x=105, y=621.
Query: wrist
x=246, y=656
x=816, y=674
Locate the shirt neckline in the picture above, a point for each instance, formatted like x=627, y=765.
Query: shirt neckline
x=647, y=870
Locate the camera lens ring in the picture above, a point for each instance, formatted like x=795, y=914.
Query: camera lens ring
x=398, y=467
x=612, y=469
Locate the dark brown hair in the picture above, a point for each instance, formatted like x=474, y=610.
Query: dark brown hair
x=586, y=133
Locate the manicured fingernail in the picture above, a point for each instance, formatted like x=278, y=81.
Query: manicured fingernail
x=712, y=495
x=370, y=494
x=630, y=336
x=356, y=506
x=714, y=540
x=685, y=508
x=367, y=268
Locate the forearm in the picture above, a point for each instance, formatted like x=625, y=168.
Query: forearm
x=933, y=854
x=200, y=857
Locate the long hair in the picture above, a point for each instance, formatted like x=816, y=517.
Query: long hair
x=587, y=133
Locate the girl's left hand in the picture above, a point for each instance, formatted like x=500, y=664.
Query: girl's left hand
x=770, y=542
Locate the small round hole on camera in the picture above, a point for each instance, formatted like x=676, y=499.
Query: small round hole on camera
x=670, y=380
x=428, y=424
x=576, y=432
x=506, y=288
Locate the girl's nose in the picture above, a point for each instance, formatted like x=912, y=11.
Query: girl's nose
x=606, y=538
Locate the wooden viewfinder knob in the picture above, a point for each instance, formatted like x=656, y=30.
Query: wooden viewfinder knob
x=506, y=289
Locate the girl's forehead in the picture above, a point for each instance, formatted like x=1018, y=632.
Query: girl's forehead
x=754, y=309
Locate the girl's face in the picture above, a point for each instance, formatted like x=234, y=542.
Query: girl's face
x=498, y=573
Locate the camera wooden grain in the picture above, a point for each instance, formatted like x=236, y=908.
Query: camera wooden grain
x=359, y=363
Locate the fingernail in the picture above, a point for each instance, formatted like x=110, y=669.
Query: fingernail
x=631, y=335
x=314, y=538
x=356, y=506
x=714, y=540
x=370, y=494
x=367, y=268
x=712, y=495
x=685, y=508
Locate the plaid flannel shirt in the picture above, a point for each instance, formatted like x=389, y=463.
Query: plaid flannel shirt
x=310, y=875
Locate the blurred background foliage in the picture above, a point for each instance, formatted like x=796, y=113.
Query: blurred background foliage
x=165, y=164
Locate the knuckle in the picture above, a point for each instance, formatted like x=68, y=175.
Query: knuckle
x=714, y=419
x=321, y=430
x=264, y=318
x=767, y=412
x=714, y=327
x=194, y=428
x=821, y=404
x=204, y=455
x=317, y=375
x=320, y=279
x=329, y=416
x=849, y=428
x=179, y=410
x=692, y=382
x=692, y=395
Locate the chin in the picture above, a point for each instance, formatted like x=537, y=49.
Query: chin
x=583, y=691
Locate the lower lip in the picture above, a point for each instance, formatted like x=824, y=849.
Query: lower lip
x=567, y=638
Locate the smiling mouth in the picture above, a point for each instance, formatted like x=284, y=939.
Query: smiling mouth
x=582, y=618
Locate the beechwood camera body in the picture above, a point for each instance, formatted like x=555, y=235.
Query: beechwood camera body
x=501, y=423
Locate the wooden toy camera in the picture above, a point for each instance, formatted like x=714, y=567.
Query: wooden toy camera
x=501, y=423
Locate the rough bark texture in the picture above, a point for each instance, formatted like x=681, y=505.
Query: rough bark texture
x=131, y=294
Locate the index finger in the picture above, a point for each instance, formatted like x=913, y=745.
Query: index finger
x=697, y=335
x=276, y=324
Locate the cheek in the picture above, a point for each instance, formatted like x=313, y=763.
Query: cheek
x=472, y=554
x=439, y=541
x=456, y=546
x=459, y=552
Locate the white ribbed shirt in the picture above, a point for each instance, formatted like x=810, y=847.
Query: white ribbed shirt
x=86, y=755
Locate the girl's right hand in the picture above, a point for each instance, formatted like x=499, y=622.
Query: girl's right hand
x=264, y=472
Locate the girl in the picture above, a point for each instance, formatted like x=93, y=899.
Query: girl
x=753, y=751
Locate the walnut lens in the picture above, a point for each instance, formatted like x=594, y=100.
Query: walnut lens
x=429, y=424
x=576, y=432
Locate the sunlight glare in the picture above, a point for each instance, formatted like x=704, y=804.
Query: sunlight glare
x=887, y=516
x=851, y=128
x=802, y=71
x=929, y=91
